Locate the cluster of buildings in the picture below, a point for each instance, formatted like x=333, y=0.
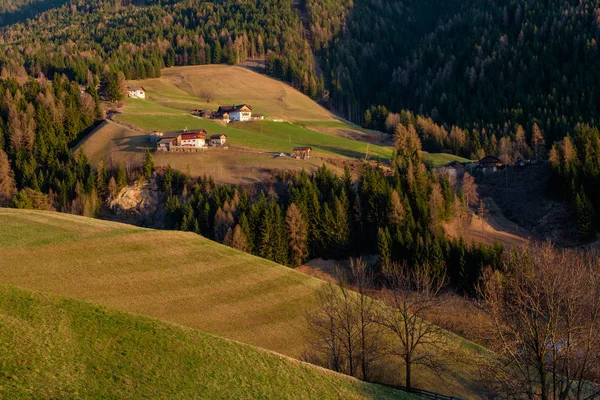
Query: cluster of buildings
x=186, y=140
x=487, y=165
x=227, y=114
x=456, y=169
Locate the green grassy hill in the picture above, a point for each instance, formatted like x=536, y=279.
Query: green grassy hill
x=171, y=98
x=182, y=278
x=55, y=347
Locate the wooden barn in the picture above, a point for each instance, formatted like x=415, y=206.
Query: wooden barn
x=302, y=153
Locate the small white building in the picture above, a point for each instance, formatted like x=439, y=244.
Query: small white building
x=136, y=92
x=218, y=140
x=241, y=112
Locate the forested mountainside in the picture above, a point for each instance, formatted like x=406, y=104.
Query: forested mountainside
x=514, y=75
x=361, y=42
x=140, y=39
x=18, y=10
x=484, y=64
x=491, y=64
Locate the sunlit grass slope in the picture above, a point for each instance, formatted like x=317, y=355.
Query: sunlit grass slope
x=56, y=347
x=174, y=276
x=182, y=278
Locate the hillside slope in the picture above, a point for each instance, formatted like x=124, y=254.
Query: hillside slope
x=185, y=279
x=486, y=63
x=55, y=347
x=175, y=276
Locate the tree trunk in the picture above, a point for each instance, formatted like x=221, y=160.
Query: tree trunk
x=408, y=366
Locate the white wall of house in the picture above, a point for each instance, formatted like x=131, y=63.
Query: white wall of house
x=193, y=142
x=240, y=115
x=137, y=94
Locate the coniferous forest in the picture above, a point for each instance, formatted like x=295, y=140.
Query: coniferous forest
x=516, y=79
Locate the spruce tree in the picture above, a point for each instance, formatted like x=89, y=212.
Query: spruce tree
x=585, y=215
x=297, y=234
x=148, y=166
x=384, y=248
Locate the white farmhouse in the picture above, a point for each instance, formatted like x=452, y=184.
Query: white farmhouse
x=136, y=92
x=241, y=112
x=193, y=138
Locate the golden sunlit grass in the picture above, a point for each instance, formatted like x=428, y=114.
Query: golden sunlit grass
x=55, y=347
x=182, y=278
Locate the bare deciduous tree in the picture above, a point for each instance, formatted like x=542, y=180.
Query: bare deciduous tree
x=369, y=332
x=347, y=337
x=207, y=95
x=298, y=234
x=412, y=294
x=545, y=311
x=469, y=190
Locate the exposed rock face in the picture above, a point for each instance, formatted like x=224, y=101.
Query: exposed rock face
x=139, y=203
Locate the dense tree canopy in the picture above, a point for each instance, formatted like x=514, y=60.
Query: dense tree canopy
x=139, y=40
x=486, y=64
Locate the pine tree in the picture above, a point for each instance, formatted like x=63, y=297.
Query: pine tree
x=585, y=215
x=8, y=187
x=148, y=165
x=245, y=227
x=537, y=140
x=122, y=179
x=396, y=213
x=384, y=248
x=298, y=235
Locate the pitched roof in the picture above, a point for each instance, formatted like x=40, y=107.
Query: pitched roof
x=490, y=160
x=166, y=140
x=454, y=164
x=233, y=108
x=221, y=136
x=173, y=134
x=193, y=135
x=302, y=148
x=136, y=88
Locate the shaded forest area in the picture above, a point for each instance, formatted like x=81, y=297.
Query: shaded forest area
x=486, y=64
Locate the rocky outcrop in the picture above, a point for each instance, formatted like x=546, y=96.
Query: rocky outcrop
x=141, y=203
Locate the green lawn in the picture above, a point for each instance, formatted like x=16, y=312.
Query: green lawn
x=59, y=348
x=262, y=135
x=439, y=159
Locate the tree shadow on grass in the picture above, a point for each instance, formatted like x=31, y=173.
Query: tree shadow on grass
x=342, y=152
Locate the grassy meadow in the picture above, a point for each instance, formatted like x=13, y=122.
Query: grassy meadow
x=171, y=98
x=53, y=347
x=182, y=278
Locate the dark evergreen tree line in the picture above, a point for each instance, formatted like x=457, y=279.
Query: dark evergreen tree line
x=39, y=120
x=576, y=176
x=324, y=215
x=487, y=65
